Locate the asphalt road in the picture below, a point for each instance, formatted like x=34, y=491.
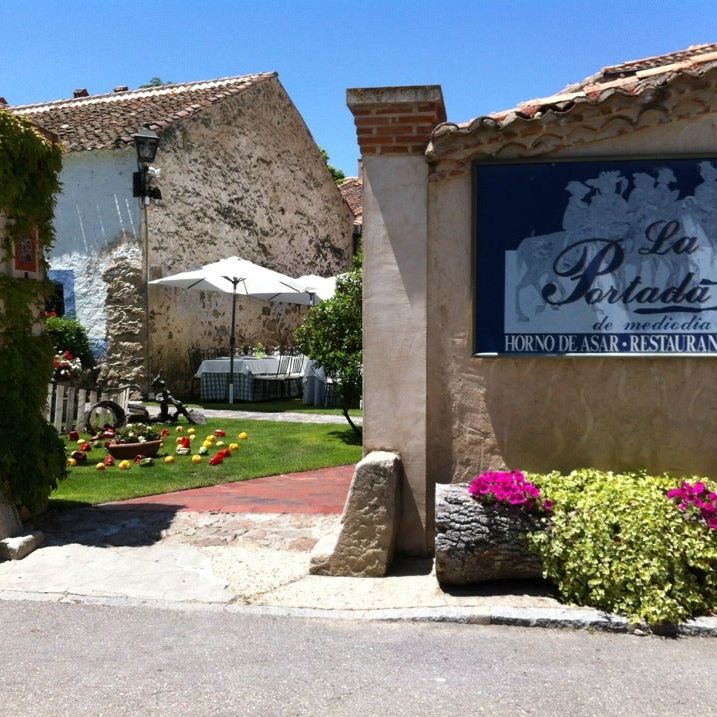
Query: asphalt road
x=64, y=659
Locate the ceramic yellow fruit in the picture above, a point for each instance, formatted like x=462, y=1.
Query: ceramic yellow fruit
x=191, y=430
x=243, y=436
x=125, y=465
x=100, y=467
x=220, y=443
x=192, y=436
x=233, y=446
x=196, y=459
x=169, y=459
x=178, y=440
x=179, y=429
x=71, y=462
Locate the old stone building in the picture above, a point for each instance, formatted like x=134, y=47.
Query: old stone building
x=240, y=175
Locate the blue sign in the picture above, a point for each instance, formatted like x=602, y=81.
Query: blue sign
x=605, y=257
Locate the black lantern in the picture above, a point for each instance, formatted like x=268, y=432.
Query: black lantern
x=146, y=142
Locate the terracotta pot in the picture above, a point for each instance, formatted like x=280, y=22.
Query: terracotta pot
x=127, y=451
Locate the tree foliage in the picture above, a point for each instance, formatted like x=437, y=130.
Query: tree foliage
x=32, y=456
x=331, y=336
x=68, y=334
x=337, y=174
x=157, y=82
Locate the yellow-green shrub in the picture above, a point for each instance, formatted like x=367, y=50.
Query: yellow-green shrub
x=616, y=542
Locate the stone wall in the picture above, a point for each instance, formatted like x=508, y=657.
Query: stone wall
x=242, y=178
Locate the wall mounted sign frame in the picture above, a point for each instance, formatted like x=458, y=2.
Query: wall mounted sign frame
x=609, y=257
x=26, y=256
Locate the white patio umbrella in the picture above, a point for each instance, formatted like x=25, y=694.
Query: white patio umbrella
x=235, y=276
x=320, y=288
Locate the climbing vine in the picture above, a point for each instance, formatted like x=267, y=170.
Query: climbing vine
x=32, y=457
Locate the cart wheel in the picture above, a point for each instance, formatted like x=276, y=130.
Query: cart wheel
x=102, y=415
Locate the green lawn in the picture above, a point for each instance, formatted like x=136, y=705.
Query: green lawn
x=272, y=448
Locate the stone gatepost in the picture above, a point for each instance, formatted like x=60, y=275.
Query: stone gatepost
x=394, y=125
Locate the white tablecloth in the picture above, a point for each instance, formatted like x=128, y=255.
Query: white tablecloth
x=245, y=364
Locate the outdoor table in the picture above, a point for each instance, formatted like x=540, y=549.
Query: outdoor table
x=318, y=390
x=213, y=375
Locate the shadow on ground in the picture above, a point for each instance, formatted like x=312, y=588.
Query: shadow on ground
x=101, y=526
x=535, y=588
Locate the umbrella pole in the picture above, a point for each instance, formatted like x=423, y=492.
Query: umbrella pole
x=232, y=342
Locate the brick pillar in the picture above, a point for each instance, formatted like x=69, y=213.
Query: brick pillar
x=396, y=120
x=394, y=125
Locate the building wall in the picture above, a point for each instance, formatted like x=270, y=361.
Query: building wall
x=96, y=227
x=542, y=414
x=242, y=178
x=394, y=331
x=537, y=414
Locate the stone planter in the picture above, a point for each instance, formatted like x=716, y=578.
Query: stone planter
x=127, y=451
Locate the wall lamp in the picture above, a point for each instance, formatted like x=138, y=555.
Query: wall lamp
x=146, y=142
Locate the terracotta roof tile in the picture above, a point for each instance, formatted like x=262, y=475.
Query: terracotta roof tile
x=633, y=78
x=352, y=191
x=108, y=120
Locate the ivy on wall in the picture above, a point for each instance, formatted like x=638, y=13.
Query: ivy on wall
x=32, y=457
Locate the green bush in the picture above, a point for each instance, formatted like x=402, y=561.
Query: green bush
x=32, y=455
x=68, y=334
x=617, y=543
x=331, y=336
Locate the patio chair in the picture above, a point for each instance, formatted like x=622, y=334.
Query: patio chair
x=274, y=385
x=295, y=376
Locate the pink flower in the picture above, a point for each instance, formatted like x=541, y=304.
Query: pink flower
x=508, y=488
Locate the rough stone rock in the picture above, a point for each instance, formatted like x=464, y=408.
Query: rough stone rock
x=10, y=523
x=17, y=548
x=477, y=543
x=364, y=543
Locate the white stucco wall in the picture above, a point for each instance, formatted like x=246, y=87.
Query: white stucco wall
x=394, y=329
x=96, y=224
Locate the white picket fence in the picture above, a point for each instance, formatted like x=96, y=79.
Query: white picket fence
x=66, y=405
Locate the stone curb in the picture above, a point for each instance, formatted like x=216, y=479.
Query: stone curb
x=555, y=618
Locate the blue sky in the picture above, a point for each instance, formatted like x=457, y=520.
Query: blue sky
x=486, y=54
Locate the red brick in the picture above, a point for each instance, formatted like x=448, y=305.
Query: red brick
x=371, y=121
x=379, y=140
x=424, y=119
x=409, y=138
x=428, y=107
x=394, y=130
